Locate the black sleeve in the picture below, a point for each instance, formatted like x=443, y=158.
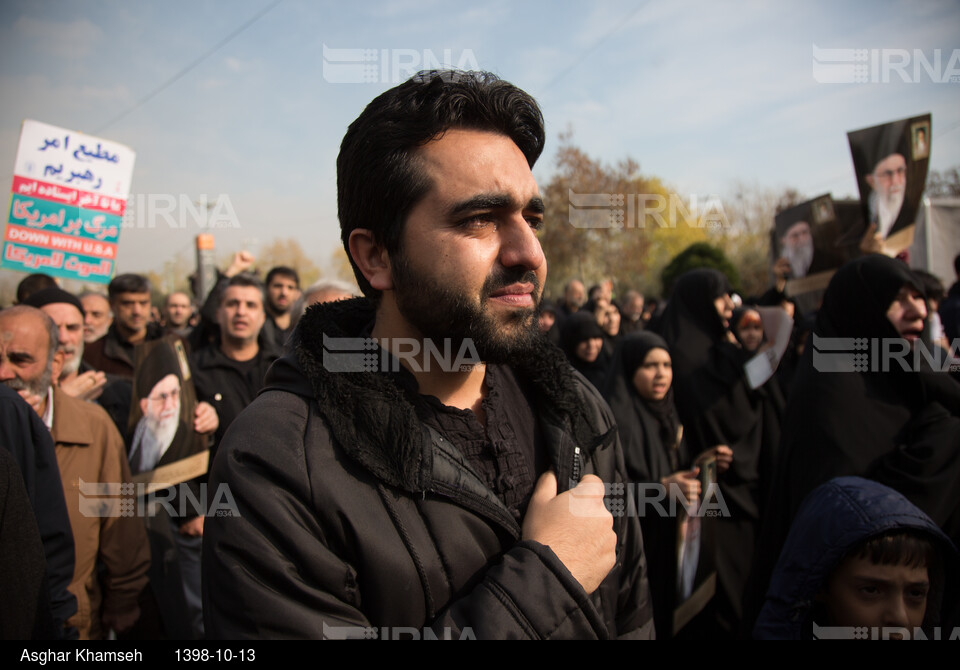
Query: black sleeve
x=268, y=571
x=25, y=436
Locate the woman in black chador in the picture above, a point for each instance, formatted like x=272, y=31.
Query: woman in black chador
x=900, y=427
x=581, y=338
x=718, y=407
x=640, y=393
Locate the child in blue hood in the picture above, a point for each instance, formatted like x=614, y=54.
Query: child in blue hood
x=860, y=561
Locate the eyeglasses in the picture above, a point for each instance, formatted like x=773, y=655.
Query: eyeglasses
x=163, y=397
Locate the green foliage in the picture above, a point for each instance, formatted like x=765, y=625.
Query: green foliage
x=698, y=255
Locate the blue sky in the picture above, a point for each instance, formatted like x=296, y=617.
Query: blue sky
x=701, y=94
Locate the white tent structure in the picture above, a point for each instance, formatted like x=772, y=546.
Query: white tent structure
x=936, y=238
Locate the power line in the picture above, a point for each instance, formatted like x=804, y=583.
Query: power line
x=256, y=17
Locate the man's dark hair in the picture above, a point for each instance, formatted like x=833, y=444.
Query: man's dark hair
x=283, y=271
x=898, y=547
x=128, y=283
x=380, y=176
x=244, y=279
x=956, y=265
x=32, y=284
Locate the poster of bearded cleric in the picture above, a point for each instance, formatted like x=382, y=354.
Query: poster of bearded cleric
x=809, y=237
x=164, y=449
x=891, y=164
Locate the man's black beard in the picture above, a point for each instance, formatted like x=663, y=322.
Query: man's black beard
x=441, y=312
x=275, y=310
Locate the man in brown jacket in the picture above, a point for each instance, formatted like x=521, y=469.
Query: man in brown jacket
x=89, y=451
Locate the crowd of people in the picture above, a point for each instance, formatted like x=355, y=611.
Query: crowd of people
x=605, y=465
x=681, y=396
x=74, y=360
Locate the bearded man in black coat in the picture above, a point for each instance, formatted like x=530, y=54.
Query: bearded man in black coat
x=423, y=460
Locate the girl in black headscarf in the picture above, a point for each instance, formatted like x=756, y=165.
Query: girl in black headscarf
x=582, y=341
x=900, y=427
x=647, y=419
x=717, y=406
x=747, y=327
x=640, y=393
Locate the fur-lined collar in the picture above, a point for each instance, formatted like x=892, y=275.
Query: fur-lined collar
x=370, y=418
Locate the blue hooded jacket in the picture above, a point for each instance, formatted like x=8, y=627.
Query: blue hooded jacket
x=833, y=519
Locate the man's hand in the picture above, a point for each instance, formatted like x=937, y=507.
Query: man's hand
x=242, y=262
x=687, y=482
x=576, y=526
x=193, y=527
x=872, y=241
x=722, y=453
x=34, y=400
x=121, y=621
x=86, y=386
x=205, y=419
x=782, y=270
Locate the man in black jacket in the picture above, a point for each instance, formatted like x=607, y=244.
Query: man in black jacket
x=24, y=434
x=388, y=482
x=229, y=373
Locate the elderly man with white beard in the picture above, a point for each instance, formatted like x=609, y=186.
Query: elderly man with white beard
x=797, y=248
x=97, y=316
x=888, y=182
x=891, y=170
x=805, y=237
x=161, y=420
x=163, y=438
x=77, y=378
x=112, y=556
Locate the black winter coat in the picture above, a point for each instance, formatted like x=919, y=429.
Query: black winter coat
x=219, y=382
x=357, y=520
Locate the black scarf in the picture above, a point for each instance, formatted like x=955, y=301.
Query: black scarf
x=900, y=428
x=578, y=328
x=648, y=429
